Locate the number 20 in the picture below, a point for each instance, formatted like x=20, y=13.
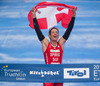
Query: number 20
x=96, y=66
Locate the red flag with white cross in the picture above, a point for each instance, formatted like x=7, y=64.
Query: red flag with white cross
x=51, y=13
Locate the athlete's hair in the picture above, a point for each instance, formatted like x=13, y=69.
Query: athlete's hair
x=52, y=29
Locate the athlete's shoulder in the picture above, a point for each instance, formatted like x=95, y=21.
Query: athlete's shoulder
x=58, y=43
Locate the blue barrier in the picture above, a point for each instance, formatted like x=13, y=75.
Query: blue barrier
x=50, y=73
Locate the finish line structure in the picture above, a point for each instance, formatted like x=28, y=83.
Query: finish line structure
x=49, y=73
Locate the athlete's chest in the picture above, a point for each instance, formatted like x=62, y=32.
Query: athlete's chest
x=54, y=51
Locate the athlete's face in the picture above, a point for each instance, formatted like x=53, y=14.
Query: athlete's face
x=54, y=35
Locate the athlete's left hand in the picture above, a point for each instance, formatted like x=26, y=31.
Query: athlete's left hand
x=74, y=12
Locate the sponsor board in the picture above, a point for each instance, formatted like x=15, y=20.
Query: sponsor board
x=76, y=73
x=50, y=73
x=16, y=74
x=96, y=72
x=44, y=73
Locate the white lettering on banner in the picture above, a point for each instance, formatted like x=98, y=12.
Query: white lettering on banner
x=15, y=73
x=43, y=73
x=96, y=72
x=72, y=73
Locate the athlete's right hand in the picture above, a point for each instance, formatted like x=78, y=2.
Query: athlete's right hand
x=33, y=13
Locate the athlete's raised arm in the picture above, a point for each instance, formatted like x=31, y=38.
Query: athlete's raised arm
x=64, y=38
x=41, y=37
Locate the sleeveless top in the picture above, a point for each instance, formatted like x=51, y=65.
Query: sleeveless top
x=53, y=54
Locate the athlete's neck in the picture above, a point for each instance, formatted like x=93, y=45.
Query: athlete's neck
x=54, y=43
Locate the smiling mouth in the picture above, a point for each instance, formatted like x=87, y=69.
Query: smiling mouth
x=55, y=36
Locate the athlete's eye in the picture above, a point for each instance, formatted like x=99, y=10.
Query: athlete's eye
x=53, y=32
x=57, y=32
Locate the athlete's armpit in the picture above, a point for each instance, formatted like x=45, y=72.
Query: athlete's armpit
x=45, y=43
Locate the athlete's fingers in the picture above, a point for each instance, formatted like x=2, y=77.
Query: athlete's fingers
x=74, y=12
x=33, y=12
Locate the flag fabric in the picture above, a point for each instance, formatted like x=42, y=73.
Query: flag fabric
x=51, y=13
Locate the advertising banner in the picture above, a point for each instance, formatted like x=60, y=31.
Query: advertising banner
x=50, y=73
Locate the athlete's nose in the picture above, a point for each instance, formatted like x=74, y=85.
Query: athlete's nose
x=55, y=33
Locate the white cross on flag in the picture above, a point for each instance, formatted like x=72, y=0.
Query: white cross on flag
x=51, y=13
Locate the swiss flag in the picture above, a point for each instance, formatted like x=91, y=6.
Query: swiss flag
x=51, y=13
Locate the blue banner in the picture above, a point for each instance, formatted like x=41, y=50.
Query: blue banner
x=50, y=73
